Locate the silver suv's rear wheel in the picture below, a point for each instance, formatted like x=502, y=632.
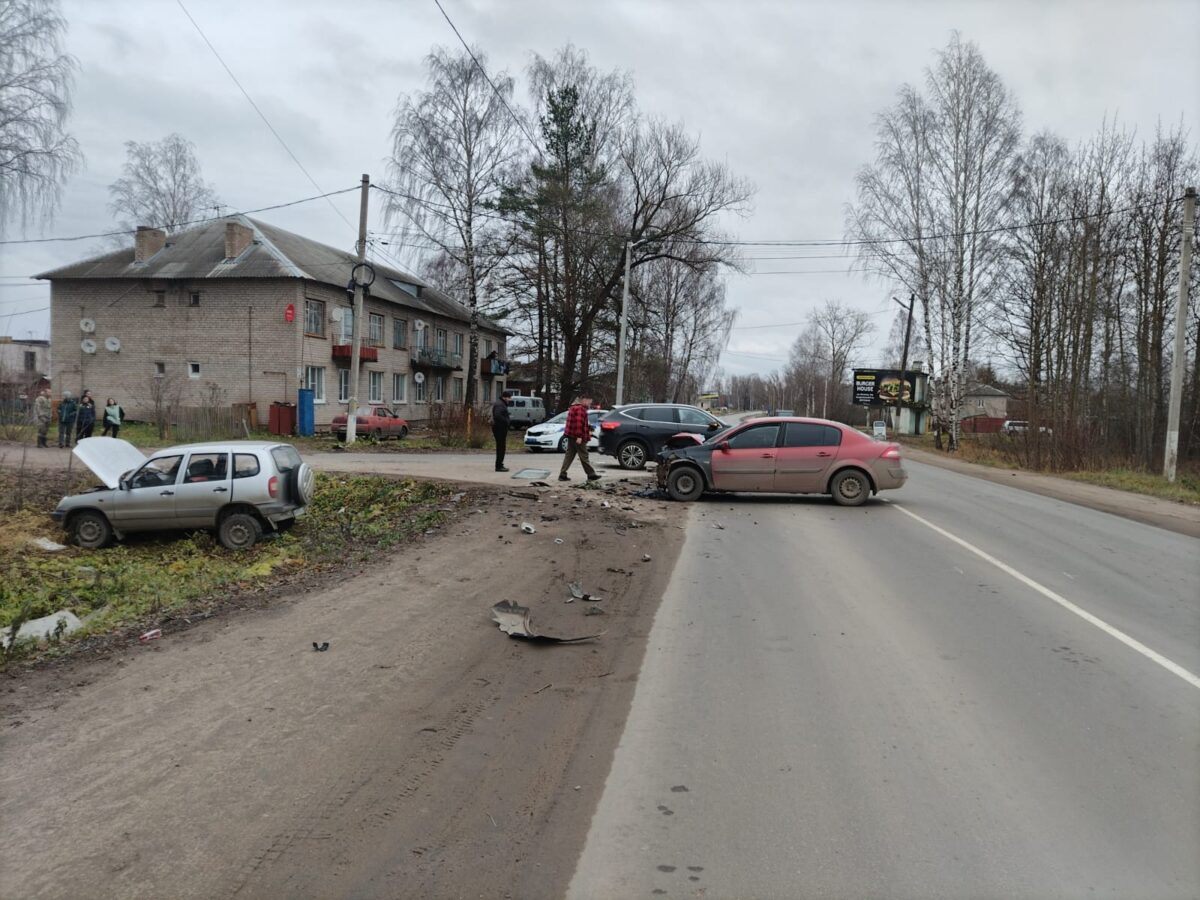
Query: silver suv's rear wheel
x=239, y=531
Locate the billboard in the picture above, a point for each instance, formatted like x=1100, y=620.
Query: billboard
x=877, y=387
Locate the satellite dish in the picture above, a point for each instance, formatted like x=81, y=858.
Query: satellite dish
x=419, y=378
x=87, y=326
x=419, y=325
x=335, y=314
x=87, y=345
x=112, y=344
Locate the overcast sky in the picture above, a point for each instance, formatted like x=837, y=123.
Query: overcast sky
x=783, y=92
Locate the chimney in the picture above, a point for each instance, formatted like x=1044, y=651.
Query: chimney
x=237, y=238
x=147, y=242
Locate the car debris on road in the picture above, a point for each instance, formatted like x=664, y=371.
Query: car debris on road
x=513, y=620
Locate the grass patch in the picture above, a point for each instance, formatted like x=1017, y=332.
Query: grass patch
x=352, y=518
x=1185, y=489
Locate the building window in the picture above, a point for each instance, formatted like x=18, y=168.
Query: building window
x=194, y=298
x=347, y=325
x=441, y=340
x=399, y=333
x=30, y=360
x=458, y=389
x=422, y=338
x=160, y=369
x=419, y=390
x=487, y=348
x=160, y=298
x=979, y=403
x=314, y=380
x=375, y=329
x=193, y=370
x=374, y=387
x=487, y=392
x=439, y=388
x=343, y=385
x=314, y=318
x=399, y=389
x=458, y=343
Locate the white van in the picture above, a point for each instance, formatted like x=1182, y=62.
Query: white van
x=525, y=411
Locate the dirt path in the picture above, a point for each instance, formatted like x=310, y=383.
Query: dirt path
x=1178, y=517
x=425, y=754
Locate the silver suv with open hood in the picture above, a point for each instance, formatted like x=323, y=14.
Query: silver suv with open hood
x=236, y=488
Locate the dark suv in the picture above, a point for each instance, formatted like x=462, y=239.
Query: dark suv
x=636, y=432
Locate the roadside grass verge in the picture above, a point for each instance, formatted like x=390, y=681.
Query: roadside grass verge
x=147, y=577
x=1000, y=452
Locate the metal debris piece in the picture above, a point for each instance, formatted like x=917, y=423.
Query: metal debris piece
x=718, y=526
x=617, y=571
x=558, y=541
x=576, y=590
x=513, y=620
x=527, y=528
x=645, y=557
x=457, y=498
x=46, y=544
x=54, y=625
x=532, y=474
x=152, y=635
x=321, y=647
x=524, y=495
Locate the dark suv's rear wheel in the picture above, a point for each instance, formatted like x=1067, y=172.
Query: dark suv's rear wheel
x=685, y=483
x=632, y=454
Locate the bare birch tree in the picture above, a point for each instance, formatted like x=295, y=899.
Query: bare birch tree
x=453, y=146
x=161, y=185
x=840, y=332
x=37, y=155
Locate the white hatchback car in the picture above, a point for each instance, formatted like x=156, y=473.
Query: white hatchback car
x=549, y=435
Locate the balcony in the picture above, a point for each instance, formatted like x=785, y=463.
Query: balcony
x=436, y=359
x=489, y=368
x=342, y=352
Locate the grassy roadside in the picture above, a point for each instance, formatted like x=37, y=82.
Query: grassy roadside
x=148, y=577
x=1185, y=489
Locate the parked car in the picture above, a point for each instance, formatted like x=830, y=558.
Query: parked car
x=1012, y=427
x=782, y=456
x=378, y=422
x=635, y=432
x=525, y=411
x=239, y=489
x=549, y=435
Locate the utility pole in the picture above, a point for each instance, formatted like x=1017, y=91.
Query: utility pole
x=1171, y=456
x=624, y=328
x=356, y=339
x=912, y=299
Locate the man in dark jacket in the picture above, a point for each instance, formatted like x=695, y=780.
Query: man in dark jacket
x=500, y=424
x=67, y=409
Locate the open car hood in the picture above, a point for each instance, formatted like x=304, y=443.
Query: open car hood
x=109, y=458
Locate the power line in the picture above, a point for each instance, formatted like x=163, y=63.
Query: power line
x=25, y=312
x=516, y=118
x=267, y=122
x=246, y=212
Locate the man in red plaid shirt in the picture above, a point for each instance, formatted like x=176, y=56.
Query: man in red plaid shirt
x=578, y=432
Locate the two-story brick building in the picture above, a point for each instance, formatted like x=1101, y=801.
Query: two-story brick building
x=239, y=311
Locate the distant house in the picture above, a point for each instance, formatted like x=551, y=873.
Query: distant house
x=237, y=311
x=24, y=365
x=984, y=409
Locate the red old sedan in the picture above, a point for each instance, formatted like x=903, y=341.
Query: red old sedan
x=371, y=421
x=782, y=455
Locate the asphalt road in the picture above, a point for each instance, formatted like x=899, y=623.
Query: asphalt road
x=852, y=703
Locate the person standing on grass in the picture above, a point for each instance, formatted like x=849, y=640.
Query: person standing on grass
x=578, y=431
x=43, y=414
x=86, y=417
x=68, y=407
x=500, y=426
x=113, y=417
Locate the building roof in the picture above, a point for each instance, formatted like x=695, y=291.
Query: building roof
x=984, y=390
x=199, y=252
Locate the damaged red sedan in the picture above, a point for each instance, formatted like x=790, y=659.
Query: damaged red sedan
x=782, y=455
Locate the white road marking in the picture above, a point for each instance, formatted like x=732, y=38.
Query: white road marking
x=1172, y=667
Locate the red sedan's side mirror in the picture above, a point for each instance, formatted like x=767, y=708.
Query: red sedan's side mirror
x=723, y=446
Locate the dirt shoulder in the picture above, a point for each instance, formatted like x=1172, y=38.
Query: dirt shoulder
x=1177, y=517
x=424, y=754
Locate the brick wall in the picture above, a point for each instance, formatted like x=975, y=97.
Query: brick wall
x=237, y=337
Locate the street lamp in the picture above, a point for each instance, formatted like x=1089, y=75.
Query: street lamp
x=624, y=322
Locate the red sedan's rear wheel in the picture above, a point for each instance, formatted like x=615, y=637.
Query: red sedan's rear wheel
x=850, y=487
